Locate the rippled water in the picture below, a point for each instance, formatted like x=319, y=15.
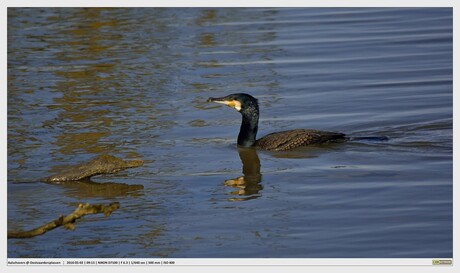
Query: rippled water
x=133, y=82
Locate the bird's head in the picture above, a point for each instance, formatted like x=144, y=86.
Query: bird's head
x=241, y=102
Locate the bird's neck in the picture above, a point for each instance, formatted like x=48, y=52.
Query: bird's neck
x=249, y=127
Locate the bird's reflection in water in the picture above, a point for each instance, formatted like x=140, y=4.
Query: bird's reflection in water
x=90, y=189
x=247, y=186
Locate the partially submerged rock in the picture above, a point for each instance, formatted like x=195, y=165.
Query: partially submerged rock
x=103, y=164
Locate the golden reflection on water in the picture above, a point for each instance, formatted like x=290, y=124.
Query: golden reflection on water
x=83, y=83
x=207, y=16
x=89, y=189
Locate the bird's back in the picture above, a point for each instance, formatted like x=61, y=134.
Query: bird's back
x=287, y=140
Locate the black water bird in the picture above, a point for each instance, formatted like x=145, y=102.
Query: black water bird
x=248, y=106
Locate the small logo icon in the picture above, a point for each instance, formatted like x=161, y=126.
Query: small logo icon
x=441, y=262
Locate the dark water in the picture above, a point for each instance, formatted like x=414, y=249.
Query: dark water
x=133, y=83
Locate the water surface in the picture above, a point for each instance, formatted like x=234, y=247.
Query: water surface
x=133, y=82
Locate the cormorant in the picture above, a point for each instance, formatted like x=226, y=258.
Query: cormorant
x=248, y=106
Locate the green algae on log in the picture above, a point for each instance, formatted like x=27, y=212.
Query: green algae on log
x=103, y=164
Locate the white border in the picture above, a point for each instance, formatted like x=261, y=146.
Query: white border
x=267, y=265
x=230, y=3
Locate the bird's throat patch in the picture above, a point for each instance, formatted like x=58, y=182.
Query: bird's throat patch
x=232, y=103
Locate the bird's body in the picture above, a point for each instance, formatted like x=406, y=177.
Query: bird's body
x=287, y=140
x=278, y=141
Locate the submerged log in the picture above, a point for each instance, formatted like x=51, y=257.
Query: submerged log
x=66, y=221
x=104, y=164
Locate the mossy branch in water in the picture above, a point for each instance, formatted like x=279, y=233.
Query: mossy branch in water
x=103, y=164
x=67, y=221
